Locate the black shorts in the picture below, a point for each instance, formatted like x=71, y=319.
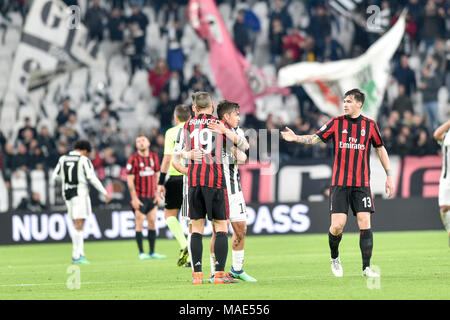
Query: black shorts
x=174, y=192
x=147, y=205
x=208, y=202
x=358, y=198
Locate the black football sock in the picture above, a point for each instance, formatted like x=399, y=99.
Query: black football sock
x=197, y=251
x=221, y=250
x=151, y=240
x=334, y=241
x=366, y=245
x=139, y=241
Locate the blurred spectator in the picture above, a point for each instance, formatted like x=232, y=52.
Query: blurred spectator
x=27, y=137
x=404, y=142
x=424, y=144
x=405, y=75
x=137, y=49
x=37, y=159
x=158, y=77
x=175, y=54
x=32, y=204
x=116, y=27
x=8, y=165
x=295, y=43
x=276, y=34
x=199, y=81
x=433, y=24
x=332, y=50
x=64, y=114
x=46, y=142
x=403, y=101
x=280, y=12
x=2, y=141
x=429, y=86
x=138, y=17
x=27, y=126
x=21, y=159
x=94, y=19
x=165, y=111
x=241, y=34
x=169, y=12
x=320, y=28
x=388, y=140
x=253, y=26
x=175, y=88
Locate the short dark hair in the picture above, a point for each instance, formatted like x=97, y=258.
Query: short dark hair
x=357, y=94
x=82, y=145
x=182, y=112
x=226, y=106
x=201, y=99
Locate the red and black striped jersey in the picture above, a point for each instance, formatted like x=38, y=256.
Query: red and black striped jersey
x=352, y=139
x=196, y=135
x=144, y=170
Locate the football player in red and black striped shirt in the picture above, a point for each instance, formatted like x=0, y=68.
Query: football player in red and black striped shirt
x=142, y=176
x=352, y=135
x=207, y=195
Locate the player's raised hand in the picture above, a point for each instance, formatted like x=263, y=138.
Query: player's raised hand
x=288, y=135
x=217, y=127
x=390, y=189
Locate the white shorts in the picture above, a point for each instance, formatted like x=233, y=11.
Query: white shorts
x=79, y=207
x=238, y=210
x=444, y=193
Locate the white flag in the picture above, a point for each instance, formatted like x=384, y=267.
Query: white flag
x=327, y=82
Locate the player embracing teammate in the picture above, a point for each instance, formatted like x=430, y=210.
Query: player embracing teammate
x=208, y=180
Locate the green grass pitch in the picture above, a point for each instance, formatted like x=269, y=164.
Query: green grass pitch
x=413, y=265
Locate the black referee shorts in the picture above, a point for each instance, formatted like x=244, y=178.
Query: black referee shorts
x=359, y=199
x=174, y=192
x=208, y=202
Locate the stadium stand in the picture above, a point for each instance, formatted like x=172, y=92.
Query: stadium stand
x=131, y=106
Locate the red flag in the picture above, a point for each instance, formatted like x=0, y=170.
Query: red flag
x=234, y=76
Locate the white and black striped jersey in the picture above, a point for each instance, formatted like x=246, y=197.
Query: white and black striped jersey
x=76, y=172
x=445, y=144
x=231, y=168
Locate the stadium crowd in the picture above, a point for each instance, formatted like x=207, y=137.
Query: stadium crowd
x=406, y=127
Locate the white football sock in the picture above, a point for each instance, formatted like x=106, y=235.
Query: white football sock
x=238, y=259
x=78, y=235
x=212, y=260
x=75, y=255
x=445, y=216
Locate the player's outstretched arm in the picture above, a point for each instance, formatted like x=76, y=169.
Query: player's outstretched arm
x=384, y=159
x=290, y=136
x=240, y=142
x=439, y=132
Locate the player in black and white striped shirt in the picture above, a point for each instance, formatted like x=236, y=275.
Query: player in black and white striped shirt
x=234, y=154
x=76, y=172
x=442, y=135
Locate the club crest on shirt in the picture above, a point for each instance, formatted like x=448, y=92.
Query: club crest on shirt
x=141, y=164
x=363, y=132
